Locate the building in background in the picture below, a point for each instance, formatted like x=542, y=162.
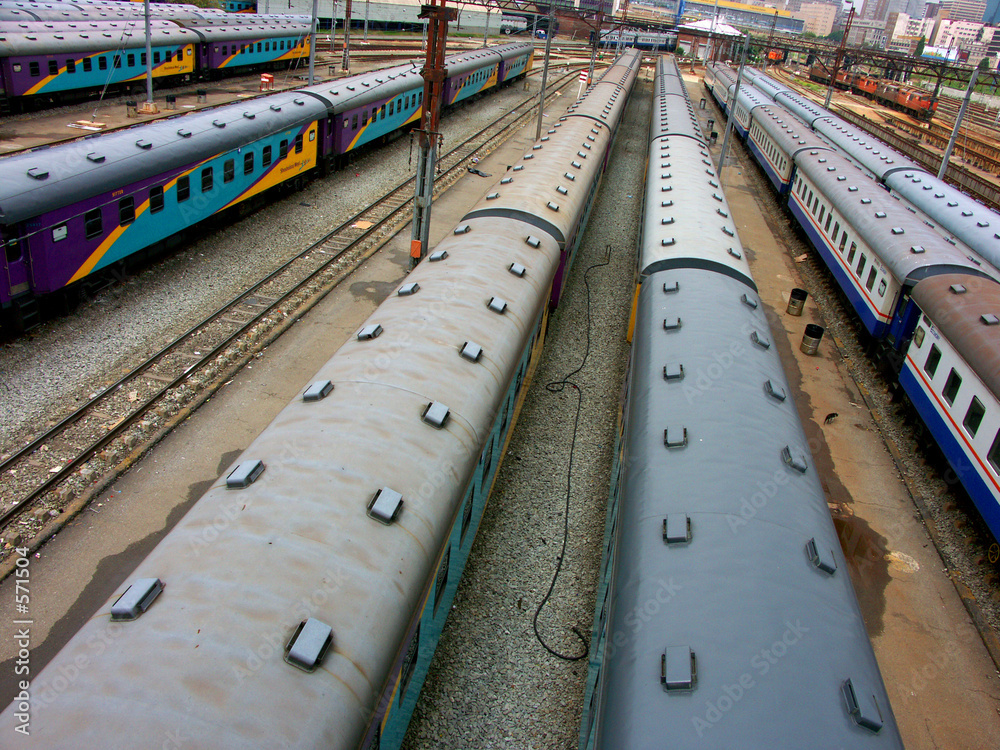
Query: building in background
x=964, y=10
x=818, y=16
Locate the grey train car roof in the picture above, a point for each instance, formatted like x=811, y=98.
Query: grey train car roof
x=61, y=42
x=772, y=637
x=960, y=317
x=791, y=135
x=72, y=173
x=884, y=223
x=967, y=220
x=864, y=148
x=673, y=114
x=325, y=460
x=236, y=31
x=749, y=97
x=801, y=107
x=234, y=19
x=41, y=27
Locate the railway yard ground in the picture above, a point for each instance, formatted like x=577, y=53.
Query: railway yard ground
x=919, y=569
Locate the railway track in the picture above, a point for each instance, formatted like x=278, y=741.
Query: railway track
x=88, y=446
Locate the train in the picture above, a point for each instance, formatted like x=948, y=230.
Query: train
x=914, y=101
x=71, y=210
x=43, y=66
x=725, y=615
x=638, y=39
x=940, y=341
x=300, y=600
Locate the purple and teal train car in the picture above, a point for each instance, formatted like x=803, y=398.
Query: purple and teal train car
x=260, y=46
x=70, y=210
x=53, y=63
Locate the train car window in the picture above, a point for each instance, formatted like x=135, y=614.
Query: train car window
x=71, y=66
x=142, y=59
x=228, y=170
x=354, y=121
x=828, y=220
x=364, y=118
x=861, y=264
x=836, y=231
x=994, y=455
x=59, y=233
x=267, y=46
x=248, y=163
x=881, y=288
x=12, y=249
x=381, y=112
x=126, y=211
x=225, y=50
x=93, y=225
x=283, y=149
x=156, y=58
x=170, y=55
x=88, y=65
x=265, y=159
x=156, y=199
x=131, y=60
x=258, y=46
x=183, y=188
x=298, y=143
x=118, y=61
x=872, y=275
x=392, y=107
x=933, y=359
x=206, y=179
x=951, y=386
x=974, y=416
x=374, y=114
x=822, y=212
x=34, y=70
x=854, y=249
x=53, y=68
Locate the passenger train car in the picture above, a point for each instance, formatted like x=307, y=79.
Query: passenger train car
x=72, y=209
x=308, y=616
x=725, y=615
x=957, y=215
x=52, y=66
x=891, y=267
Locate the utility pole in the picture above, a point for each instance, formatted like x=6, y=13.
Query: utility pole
x=333, y=29
x=486, y=30
x=433, y=74
x=312, y=42
x=545, y=71
x=149, y=108
x=958, y=124
x=732, y=106
x=346, y=65
x=365, y=40
x=839, y=58
x=770, y=38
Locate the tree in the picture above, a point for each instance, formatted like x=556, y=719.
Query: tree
x=920, y=47
x=835, y=36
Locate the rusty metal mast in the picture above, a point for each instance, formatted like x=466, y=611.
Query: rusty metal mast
x=433, y=74
x=839, y=58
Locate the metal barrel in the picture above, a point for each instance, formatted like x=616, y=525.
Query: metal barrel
x=202, y=96
x=796, y=302
x=171, y=101
x=130, y=109
x=811, y=339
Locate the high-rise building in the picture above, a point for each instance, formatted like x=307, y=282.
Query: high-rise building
x=964, y=10
x=992, y=14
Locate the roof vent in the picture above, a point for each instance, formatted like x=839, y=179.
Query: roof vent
x=794, y=459
x=407, y=289
x=825, y=562
x=862, y=707
x=95, y=157
x=471, y=351
x=678, y=669
x=497, y=305
x=244, y=474
x=136, y=598
x=309, y=644
x=371, y=331
x=675, y=436
x=385, y=505
x=38, y=173
x=318, y=391
x=437, y=255
x=517, y=269
x=435, y=414
x=989, y=319
x=677, y=528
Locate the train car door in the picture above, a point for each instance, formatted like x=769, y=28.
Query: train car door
x=16, y=262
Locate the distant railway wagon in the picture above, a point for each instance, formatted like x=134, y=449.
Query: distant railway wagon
x=915, y=102
x=70, y=210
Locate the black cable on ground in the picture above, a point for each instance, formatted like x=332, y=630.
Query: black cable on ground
x=558, y=386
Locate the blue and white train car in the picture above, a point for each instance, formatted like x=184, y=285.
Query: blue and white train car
x=871, y=243
x=951, y=374
x=775, y=138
